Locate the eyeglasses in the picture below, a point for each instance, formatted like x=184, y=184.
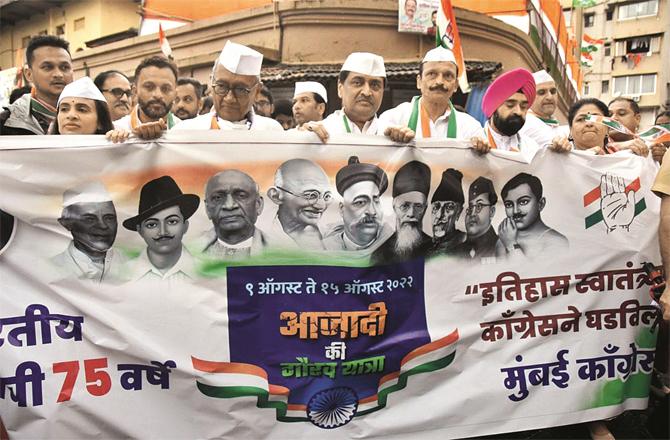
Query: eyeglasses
x=119, y=92
x=477, y=208
x=222, y=89
x=446, y=206
x=311, y=196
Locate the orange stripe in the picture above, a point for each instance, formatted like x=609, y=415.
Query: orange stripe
x=278, y=390
x=433, y=346
x=425, y=121
x=368, y=399
x=594, y=194
x=228, y=367
x=294, y=407
x=389, y=377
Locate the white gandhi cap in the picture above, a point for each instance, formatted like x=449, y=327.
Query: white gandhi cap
x=439, y=54
x=89, y=192
x=81, y=88
x=240, y=59
x=542, y=76
x=365, y=63
x=311, y=86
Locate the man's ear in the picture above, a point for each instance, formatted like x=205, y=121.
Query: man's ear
x=418, y=82
x=259, y=204
x=28, y=72
x=493, y=211
x=274, y=195
x=321, y=108
x=341, y=208
x=64, y=222
x=543, y=202
x=186, y=223
x=339, y=88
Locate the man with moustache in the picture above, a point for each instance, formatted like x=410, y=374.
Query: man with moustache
x=361, y=186
x=233, y=205
x=361, y=88
x=627, y=112
x=481, y=240
x=540, y=124
x=49, y=69
x=523, y=232
x=162, y=221
x=302, y=194
x=309, y=102
x=235, y=84
x=410, y=194
x=505, y=104
x=187, y=102
x=447, y=206
x=155, y=89
x=116, y=89
x=431, y=115
x=89, y=214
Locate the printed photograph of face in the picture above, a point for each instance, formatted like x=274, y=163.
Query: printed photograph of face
x=523, y=206
x=478, y=215
x=362, y=212
x=93, y=226
x=164, y=230
x=445, y=214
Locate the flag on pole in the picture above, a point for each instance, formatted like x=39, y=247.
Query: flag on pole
x=448, y=37
x=165, y=45
x=586, y=59
x=590, y=44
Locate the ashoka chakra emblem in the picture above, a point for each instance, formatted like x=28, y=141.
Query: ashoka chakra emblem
x=333, y=407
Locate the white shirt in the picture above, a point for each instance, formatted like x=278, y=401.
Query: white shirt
x=254, y=122
x=537, y=130
x=334, y=124
x=143, y=269
x=124, y=122
x=467, y=127
x=75, y=262
x=524, y=144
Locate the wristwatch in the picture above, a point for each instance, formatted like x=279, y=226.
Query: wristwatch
x=515, y=246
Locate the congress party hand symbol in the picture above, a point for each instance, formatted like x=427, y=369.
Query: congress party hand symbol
x=617, y=206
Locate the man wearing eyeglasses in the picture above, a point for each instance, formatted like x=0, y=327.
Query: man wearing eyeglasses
x=523, y=232
x=236, y=84
x=410, y=194
x=481, y=240
x=115, y=87
x=447, y=206
x=233, y=204
x=302, y=194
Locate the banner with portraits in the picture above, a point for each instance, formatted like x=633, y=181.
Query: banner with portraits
x=219, y=285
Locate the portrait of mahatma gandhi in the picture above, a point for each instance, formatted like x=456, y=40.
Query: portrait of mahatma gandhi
x=233, y=204
x=481, y=237
x=446, y=208
x=523, y=232
x=410, y=195
x=162, y=221
x=361, y=186
x=302, y=194
x=90, y=217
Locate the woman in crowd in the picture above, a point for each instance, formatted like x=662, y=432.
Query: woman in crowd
x=82, y=109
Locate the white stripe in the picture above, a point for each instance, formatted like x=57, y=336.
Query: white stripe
x=429, y=357
x=233, y=379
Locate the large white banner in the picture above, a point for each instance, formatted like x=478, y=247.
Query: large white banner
x=227, y=285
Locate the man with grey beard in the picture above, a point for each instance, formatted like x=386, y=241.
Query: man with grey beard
x=447, y=207
x=410, y=195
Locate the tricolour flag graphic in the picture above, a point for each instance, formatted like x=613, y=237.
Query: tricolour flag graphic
x=609, y=122
x=595, y=195
x=448, y=37
x=590, y=44
x=162, y=39
x=231, y=379
x=656, y=134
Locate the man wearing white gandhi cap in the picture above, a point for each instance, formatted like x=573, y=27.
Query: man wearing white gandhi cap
x=431, y=115
x=540, y=124
x=309, y=102
x=361, y=87
x=89, y=214
x=236, y=82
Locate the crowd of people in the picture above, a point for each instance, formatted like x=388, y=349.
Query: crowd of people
x=520, y=107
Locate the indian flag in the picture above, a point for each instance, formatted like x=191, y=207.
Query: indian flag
x=448, y=37
x=657, y=134
x=590, y=44
x=228, y=380
x=162, y=39
x=609, y=122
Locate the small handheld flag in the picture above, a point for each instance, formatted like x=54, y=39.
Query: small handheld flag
x=165, y=45
x=448, y=37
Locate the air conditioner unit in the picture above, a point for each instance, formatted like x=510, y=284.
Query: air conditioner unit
x=635, y=98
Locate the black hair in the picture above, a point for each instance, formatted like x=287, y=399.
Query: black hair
x=44, y=41
x=318, y=98
x=159, y=62
x=283, y=107
x=344, y=74
x=660, y=115
x=586, y=101
x=18, y=92
x=633, y=105
x=194, y=82
x=267, y=93
x=532, y=181
x=104, y=119
x=99, y=80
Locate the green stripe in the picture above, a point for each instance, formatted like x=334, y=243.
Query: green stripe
x=281, y=407
x=640, y=206
x=594, y=219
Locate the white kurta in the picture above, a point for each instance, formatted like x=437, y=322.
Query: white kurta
x=518, y=142
x=204, y=122
x=334, y=124
x=537, y=130
x=124, y=122
x=467, y=127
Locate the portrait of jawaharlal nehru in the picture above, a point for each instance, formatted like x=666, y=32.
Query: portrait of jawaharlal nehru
x=361, y=186
x=523, y=232
x=410, y=194
x=162, y=221
x=89, y=214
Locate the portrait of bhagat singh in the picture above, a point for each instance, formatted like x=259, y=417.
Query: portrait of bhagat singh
x=523, y=232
